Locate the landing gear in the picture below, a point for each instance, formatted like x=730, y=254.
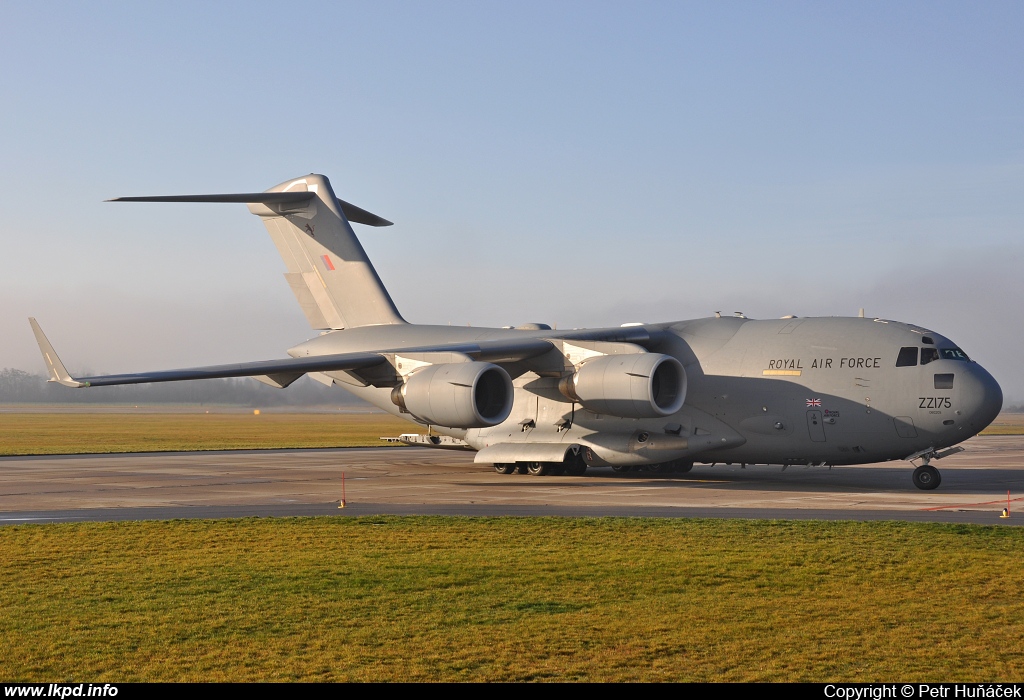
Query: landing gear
x=681, y=467
x=538, y=468
x=676, y=466
x=927, y=477
x=574, y=464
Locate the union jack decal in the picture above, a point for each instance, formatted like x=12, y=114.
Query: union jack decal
x=813, y=402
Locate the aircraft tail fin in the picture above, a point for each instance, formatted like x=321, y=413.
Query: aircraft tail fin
x=328, y=271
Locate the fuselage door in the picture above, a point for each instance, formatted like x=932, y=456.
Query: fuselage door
x=905, y=427
x=815, y=427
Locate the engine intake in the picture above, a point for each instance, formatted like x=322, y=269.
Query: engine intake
x=643, y=385
x=459, y=395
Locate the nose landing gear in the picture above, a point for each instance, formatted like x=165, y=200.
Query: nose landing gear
x=927, y=477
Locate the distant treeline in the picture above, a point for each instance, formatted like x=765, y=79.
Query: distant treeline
x=17, y=386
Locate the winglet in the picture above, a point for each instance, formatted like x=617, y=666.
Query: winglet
x=54, y=367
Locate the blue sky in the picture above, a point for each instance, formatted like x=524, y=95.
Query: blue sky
x=575, y=163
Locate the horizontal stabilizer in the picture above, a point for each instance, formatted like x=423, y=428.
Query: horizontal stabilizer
x=244, y=198
x=360, y=216
x=351, y=211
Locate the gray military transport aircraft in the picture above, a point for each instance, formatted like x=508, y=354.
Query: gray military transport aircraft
x=658, y=396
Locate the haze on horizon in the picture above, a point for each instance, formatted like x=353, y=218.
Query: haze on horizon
x=580, y=164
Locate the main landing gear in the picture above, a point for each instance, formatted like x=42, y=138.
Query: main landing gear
x=678, y=466
x=573, y=465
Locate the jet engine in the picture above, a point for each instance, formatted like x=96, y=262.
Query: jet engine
x=459, y=395
x=642, y=385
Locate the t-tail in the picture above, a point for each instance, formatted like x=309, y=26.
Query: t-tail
x=328, y=270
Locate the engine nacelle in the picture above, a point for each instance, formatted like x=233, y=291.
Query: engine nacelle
x=641, y=385
x=459, y=395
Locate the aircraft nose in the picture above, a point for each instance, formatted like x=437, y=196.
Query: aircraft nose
x=980, y=396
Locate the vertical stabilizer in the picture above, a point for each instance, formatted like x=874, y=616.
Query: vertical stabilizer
x=328, y=270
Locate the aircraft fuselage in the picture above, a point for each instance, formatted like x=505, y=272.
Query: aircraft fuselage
x=787, y=391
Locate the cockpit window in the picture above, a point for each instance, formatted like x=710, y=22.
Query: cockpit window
x=907, y=358
x=954, y=354
x=928, y=354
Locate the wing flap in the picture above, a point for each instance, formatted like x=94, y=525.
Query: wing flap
x=278, y=381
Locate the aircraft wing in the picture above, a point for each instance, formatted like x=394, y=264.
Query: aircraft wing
x=289, y=369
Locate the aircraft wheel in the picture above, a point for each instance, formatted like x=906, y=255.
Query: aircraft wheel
x=622, y=468
x=523, y=467
x=538, y=468
x=927, y=477
x=578, y=468
x=681, y=467
x=504, y=468
x=574, y=465
x=661, y=468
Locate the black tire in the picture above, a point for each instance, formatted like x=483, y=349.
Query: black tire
x=660, y=468
x=927, y=477
x=523, y=467
x=538, y=468
x=504, y=468
x=621, y=469
x=681, y=467
x=574, y=464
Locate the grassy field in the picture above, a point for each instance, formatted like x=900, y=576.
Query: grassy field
x=1006, y=424
x=510, y=599
x=80, y=433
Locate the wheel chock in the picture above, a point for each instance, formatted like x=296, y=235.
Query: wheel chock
x=1006, y=513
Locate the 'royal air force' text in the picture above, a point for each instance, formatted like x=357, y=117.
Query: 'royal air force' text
x=827, y=363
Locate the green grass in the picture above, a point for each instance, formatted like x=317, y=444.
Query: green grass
x=84, y=433
x=1006, y=424
x=508, y=599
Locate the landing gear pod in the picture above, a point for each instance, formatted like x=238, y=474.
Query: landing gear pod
x=459, y=395
x=642, y=385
